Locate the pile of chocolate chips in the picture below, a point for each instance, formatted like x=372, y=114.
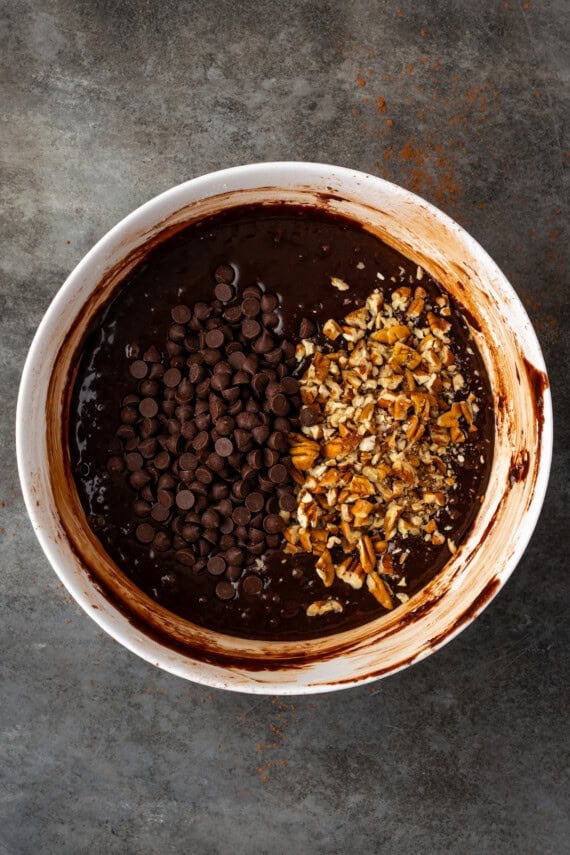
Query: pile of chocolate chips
x=205, y=436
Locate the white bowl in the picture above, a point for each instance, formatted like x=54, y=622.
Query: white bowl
x=487, y=557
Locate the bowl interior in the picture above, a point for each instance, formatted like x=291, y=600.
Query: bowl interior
x=483, y=562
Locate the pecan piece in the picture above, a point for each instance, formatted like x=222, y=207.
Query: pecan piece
x=379, y=590
x=323, y=607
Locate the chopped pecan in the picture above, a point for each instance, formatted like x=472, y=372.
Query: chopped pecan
x=323, y=607
x=379, y=590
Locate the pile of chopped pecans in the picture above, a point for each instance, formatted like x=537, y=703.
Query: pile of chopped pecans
x=382, y=426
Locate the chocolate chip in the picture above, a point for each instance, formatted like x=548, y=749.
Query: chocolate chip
x=185, y=500
x=307, y=328
x=134, y=461
x=259, y=384
x=125, y=432
x=211, y=535
x=288, y=349
x=216, y=565
x=211, y=356
x=201, y=441
x=260, y=434
x=250, y=307
x=279, y=405
x=184, y=392
x=273, y=524
x=225, y=590
x=254, y=502
x=252, y=584
x=269, y=302
x=152, y=354
x=264, y=343
x=148, y=408
x=250, y=329
x=172, y=377
x=278, y=474
x=191, y=533
x=202, y=311
x=282, y=424
x=241, y=515
x=270, y=457
x=234, y=555
x=256, y=548
x=224, y=273
x=250, y=364
x=253, y=291
x=196, y=372
x=225, y=425
x=188, y=461
x=247, y=420
x=141, y=508
x=128, y=415
x=256, y=536
x=156, y=371
x=185, y=557
x=227, y=525
x=130, y=399
x=181, y=314
x=287, y=502
x=278, y=441
x=166, y=482
x=255, y=459
x=290, y=385
x=162, y=460
x=149, y=388
x=144, y=533
x=224, y=446
x=165, y=498
x=236, y=359
x=138, y=369
x=139, y=479
x=233, y=314
x=271, y=320
x=146, y=492
x=210, y=518
x=243, y=440
x=204, y=475
x=231, y=395
x=161, y=541
x=233, y=573
x=224, y=292
x=215, y=338
x=177, y=334
x=159, y=513
x=309, y=416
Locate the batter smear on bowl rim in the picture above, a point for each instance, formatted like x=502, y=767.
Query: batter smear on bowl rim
x=281, y=427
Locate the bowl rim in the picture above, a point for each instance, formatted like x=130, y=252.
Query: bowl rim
x=154, y=651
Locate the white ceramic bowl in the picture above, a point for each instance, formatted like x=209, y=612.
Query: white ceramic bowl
x=433, y=616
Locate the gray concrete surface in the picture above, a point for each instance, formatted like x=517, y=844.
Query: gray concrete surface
x=105, y=104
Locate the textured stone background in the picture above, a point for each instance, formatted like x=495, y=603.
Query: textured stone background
x=108, y=102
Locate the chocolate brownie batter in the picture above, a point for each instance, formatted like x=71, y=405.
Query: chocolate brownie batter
x=262, y=275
